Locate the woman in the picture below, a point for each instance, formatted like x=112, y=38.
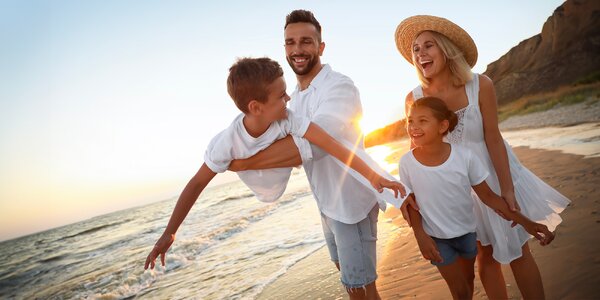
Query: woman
x=443, y=55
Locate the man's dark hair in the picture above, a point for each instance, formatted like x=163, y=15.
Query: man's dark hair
x=303, y=16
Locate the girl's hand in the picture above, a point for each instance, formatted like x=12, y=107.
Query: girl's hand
x=379, y=183
x=540, y=232
x=161, y=247
x=410, y=201
x=428, y=248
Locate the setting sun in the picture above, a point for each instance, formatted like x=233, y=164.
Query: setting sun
x=367, y=125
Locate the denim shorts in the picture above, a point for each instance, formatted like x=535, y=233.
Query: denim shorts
x=464, y=246
x=353, y=247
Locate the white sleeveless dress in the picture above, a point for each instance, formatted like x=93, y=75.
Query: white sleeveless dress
x=538, y=201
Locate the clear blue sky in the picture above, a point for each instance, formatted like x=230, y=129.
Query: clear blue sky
x=106, y=105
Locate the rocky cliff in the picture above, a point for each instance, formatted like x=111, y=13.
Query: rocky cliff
x=567, y=49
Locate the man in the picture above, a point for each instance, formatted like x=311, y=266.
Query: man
x=349, y=209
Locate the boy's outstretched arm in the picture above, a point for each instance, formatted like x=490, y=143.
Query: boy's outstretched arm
x=494, y=201
x=186, y=200
x=315, y=135
x=282, y=153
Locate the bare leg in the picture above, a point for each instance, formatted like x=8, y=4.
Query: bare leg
x=367, y=292
x=490, y=273
x=459, y=276
x=528, y=275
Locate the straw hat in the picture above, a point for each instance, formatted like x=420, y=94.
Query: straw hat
x=411, y=27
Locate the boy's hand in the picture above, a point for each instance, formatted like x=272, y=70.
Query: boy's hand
x=410, y=201
x=428, y=247
x=540, y=232
x=379, y=183
x=161, y=247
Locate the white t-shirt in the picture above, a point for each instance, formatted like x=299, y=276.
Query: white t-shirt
x=236, y=143
x=443, y=192
x=333, y=102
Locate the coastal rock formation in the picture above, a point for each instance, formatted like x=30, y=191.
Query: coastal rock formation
x=566, y=51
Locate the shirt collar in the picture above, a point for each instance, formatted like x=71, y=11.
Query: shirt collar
x=319, y=79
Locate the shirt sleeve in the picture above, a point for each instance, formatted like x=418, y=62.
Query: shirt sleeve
x=339, y=114
x=218, y=153
x=297, y=126
x=404, y=174
x=477, y=171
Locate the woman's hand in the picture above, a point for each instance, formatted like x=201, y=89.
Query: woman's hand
x=511, y=200
x=160, y=248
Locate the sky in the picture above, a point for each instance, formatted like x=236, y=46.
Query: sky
x=106, y=105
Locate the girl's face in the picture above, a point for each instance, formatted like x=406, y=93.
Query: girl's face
x=423, y=128
x=427, y=55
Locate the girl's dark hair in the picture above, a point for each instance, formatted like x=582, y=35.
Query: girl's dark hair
x=439, y=109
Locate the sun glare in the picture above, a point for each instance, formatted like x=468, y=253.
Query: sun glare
x=369, y=125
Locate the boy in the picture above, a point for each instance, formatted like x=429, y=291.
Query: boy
x=259, y=91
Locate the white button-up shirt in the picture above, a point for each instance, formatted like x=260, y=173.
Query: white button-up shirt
x=333, y=102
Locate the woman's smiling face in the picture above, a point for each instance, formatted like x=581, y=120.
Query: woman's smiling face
x=427, y=55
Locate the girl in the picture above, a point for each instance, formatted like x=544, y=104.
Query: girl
x=443, y=54
x=441, y=176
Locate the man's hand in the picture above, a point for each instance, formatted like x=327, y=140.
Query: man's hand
x=161, y=247
x=237, y=165
x=379, y=183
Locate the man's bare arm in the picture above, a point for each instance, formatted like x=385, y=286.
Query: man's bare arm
x=282, y=153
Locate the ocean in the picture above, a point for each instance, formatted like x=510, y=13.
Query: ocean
x=230, y=246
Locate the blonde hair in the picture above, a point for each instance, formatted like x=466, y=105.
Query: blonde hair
x=455, y=59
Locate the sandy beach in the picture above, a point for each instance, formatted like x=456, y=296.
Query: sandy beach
x=570, y=266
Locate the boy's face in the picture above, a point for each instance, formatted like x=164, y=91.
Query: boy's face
x=275, y=107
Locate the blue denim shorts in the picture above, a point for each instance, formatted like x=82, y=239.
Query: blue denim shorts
x=353, y=247
x=464, y=246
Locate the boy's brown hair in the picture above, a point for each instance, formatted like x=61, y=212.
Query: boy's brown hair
x=248, y=80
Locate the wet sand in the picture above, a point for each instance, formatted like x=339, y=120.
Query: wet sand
x=570, y=266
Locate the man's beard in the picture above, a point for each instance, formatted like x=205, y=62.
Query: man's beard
x=312, y=62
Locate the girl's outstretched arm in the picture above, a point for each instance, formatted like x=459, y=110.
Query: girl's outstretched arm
x=494, y=201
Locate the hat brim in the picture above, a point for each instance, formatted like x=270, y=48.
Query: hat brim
x=408, y=30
